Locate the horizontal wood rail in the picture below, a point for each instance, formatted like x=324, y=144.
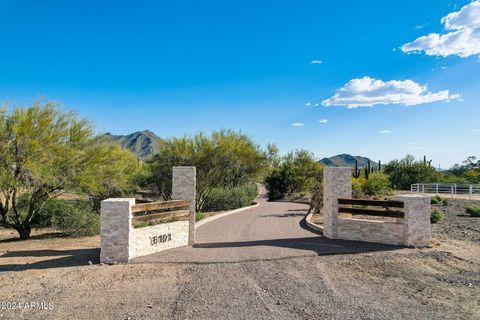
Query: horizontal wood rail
x=157, y=217
x=162, y=205
x=384, y=204
x=376, y=203
x=372, y=212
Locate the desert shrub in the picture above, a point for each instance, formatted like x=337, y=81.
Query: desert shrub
x=444, y=201
x=317, y=198
x=276, y=184
x=436, y=216
x=74, y=219
x=297, y=172
x=377, y=185
x=473, y=211
x=230, y=198
x=357, y=187
x=199, y=216
x=403, y=173
x=435, y=200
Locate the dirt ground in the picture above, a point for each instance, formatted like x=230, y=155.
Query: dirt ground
x=442, y=282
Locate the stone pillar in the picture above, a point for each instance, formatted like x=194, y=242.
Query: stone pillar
x=337, y=183
x=115, y=229
x=184, y=182
x=417, y=219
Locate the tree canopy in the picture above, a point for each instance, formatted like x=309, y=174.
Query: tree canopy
x=224, y=159
x=45, y=152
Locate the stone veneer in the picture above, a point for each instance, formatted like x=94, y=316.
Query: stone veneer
x=120, y=242
x=413, y=230
x=184, y=182
x=337, y=183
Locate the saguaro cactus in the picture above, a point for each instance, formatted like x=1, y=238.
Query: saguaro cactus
x=356, y=172
x=368, y=170
x=425, y=162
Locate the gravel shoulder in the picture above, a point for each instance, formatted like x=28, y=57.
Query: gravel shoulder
x=300, y=276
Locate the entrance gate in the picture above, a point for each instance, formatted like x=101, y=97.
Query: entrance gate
x=130, y=230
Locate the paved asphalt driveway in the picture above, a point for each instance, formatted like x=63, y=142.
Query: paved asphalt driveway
x=272, y=230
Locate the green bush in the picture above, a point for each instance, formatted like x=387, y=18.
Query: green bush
x=377, y=185
x=276, y=184
x=297, y=173
x=357, y=187
x=473, y=211
x=199, y=216
x=74, y=219
x=436, y=216
x=221, y=199
x=435, y=200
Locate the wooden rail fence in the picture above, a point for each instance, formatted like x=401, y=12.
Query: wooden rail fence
x=385, y=206
x=176, y=210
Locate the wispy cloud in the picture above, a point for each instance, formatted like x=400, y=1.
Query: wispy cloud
x=316, y=62
x=384, y=131
x=323, y=121
x=308, y=104
x=461, y=37
x=475, y=130
x=367, y=92
x=297, y=124
x=421, y=26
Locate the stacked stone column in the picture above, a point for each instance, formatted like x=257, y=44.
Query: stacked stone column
x=115, y=229
x=417, y=219
x=337, y=183
x=184, y=187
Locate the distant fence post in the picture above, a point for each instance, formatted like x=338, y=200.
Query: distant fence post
x=115, y=229
x=184, y=187
x=417, y=219
x=337, y=183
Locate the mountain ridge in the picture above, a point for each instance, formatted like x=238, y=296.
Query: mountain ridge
x=346, y=160
x=143, y=143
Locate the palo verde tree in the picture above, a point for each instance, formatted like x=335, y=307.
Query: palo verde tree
x=45, y=152
x=225, y=159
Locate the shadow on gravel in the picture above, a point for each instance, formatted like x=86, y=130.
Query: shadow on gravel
x=71, y=258
x=320, y=245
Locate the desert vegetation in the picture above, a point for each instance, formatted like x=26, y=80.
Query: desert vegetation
x=46, y=153
x=227, y=162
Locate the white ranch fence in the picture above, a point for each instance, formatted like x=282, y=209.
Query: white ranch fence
x=471, y=190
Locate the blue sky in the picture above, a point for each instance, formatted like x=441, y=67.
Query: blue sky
x=179, y=67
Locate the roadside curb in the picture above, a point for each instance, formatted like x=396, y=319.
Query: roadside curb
x=224, y=214
x=311, y=225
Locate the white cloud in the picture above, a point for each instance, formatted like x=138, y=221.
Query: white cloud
x=367, y=92
x=316, y=104
x=461, y=37
x=316, y=62
x=297, y=124
x=323, y=121
x=384, y=131
x=308, y=104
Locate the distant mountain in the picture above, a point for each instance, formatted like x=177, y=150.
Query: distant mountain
x=143, y=143
x=346, y=160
